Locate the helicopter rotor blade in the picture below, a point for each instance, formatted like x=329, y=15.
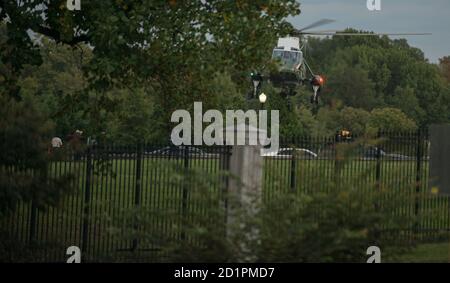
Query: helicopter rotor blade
x=340, y=33
x=316, y=24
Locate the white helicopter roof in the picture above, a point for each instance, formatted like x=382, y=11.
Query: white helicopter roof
x=287, y=43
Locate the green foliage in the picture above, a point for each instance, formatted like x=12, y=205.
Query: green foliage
x=444, y=66
x=334, y=227
x=355, y=120
x=427, y=253
x=391, y=120
x=367, y=73
x=225, y=94
x=372, y=72
x=178, y=52
x=306, y=120
x=328, y=121
x=14, y=251
x=164, y=41
x=15, y=52
x=131, y=123
x=58, y=86
x=406, y=100
x=351, y=84
x=335, y=224
x=24, y=157
x=122, y=67
x=175, y=63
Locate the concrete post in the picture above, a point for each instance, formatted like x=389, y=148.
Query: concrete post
x=244, y=188
x=439, y=177
x=246, y=165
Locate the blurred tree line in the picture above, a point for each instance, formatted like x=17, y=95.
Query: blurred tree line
x=119, y=77
x=357, y=96
x=379, y=82
x=372, y=83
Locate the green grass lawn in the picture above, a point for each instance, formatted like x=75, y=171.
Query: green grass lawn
x=427, y=253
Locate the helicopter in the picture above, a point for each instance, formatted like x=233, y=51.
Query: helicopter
x=293, y=68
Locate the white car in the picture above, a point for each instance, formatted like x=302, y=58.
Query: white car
x=286, y=153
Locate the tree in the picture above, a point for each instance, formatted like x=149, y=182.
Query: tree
x=15, y=51
x=26, y=135
x=308, y=123
x=355, y=120
x=352, y=85
x=328, y=119
x=388, y=73
x=131, y=123
x=168, y=48
x=406, y=100
x=444, y=65
x=224, y=93
x=390, y=119
x=59, y=86
x=159, y=37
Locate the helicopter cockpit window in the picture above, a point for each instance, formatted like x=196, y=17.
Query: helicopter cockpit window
x=288, y=59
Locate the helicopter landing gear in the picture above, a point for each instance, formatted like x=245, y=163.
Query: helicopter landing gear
x=257, y=81
x=315, y=96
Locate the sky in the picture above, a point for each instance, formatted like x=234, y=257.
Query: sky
x=396, y=16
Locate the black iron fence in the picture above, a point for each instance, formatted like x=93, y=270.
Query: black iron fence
x=109, y=179
x=396, y=164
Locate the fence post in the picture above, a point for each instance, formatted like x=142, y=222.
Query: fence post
x=378, y=166
x=439, y=165
x=137, y=189
x=293, y=171
x=33, y=222
x=419, y=154
x=377, y=206
x=245, y=184
x=292, y=177
x=224, y=168
x=335, y=158
x=43, y=174
x=184, y=192
x=87, y=200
